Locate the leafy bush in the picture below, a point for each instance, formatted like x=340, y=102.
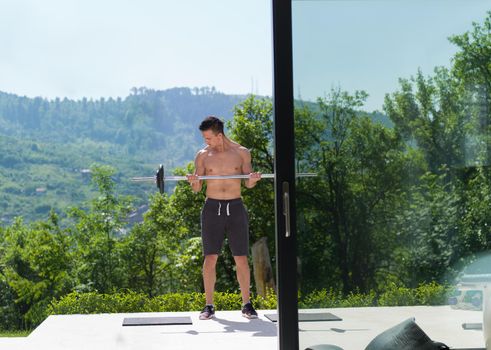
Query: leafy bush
x=425, y=294
x=332, y=299
x=358, y=300
x=321, y=299
x=10, y=315
x=432, y=294
x=397, y=296
x=266, y=303
x=92, y=302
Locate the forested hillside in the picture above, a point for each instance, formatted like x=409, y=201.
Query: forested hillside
x=48, y=146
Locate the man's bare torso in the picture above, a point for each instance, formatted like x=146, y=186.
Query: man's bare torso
x=228, y=161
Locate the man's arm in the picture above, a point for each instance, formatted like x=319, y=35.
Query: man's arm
x=247, y=169
x=199, y=169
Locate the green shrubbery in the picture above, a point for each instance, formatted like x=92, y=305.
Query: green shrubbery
x=425, y=294
x=330, y=299
x=91, y=303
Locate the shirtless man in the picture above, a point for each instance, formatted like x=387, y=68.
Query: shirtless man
x=223, y=211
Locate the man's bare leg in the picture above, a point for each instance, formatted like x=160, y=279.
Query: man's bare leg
x=243, y=277
x=209, y=276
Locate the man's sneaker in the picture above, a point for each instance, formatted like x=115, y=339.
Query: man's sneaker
x=248, y=311
x=207, y=313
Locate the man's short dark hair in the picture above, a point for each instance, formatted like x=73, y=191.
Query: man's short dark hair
x=212, y=123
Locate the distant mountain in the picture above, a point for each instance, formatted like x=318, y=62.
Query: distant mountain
x=143, y=121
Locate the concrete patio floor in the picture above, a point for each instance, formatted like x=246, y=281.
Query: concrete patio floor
x=231, y=331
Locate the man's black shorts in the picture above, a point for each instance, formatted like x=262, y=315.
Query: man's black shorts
x=220, y=217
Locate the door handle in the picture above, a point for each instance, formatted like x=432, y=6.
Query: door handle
x=286, y=207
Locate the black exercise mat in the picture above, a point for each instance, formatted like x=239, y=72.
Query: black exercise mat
x=156, y=321
x=308, y=317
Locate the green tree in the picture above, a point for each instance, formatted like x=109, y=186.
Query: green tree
x=430, y=114
x=98, y=234
x=446, y=118
x=11, y=314
x=475, y=222
x=343, y=212
x=150, y=249
x=428, y=232
x=188, y=256
x=472, y=68
x=37, y=264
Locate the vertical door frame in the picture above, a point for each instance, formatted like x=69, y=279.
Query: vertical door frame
x=284, y=150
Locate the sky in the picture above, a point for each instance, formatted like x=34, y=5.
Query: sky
x=369, y=45
x=102, y=48
x=97, y=48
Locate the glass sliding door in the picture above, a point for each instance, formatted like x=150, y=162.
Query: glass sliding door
x=392, y=110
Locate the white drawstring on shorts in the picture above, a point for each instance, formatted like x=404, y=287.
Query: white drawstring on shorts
x=220, y=209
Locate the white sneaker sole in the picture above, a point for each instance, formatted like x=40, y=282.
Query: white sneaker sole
x=203, y=318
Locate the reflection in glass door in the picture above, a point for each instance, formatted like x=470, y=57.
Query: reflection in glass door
x=392, y=111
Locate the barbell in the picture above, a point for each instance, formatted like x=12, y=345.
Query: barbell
x=160, y=179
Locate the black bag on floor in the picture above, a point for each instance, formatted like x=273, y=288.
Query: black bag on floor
x=404, y=336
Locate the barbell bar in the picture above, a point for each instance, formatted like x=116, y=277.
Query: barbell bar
x=160, y=179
